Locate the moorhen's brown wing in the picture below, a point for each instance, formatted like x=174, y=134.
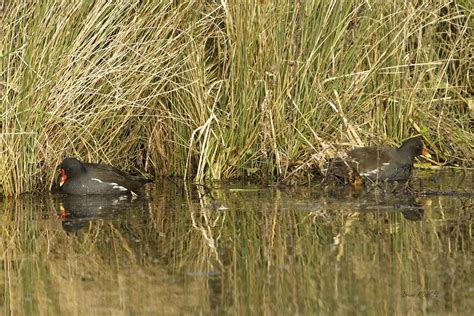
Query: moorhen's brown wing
x=370, y=159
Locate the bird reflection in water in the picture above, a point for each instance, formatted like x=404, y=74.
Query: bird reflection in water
x=79, y=211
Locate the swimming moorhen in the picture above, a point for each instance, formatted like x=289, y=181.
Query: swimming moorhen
x=379, y=163
x=80, y=178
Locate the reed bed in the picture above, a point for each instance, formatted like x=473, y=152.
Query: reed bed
x=216, y=90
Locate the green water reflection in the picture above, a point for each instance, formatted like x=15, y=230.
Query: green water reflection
x=251, y=250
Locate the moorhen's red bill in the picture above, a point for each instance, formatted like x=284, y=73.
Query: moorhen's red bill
x=81, y=178
x=379, y=163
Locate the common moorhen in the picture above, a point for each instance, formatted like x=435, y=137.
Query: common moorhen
x=89, y=178
x=379, y=163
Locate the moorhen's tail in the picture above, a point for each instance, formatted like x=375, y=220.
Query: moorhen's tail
x=144, y=180
x=342, y=168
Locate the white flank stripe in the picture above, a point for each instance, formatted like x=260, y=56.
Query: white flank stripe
x=113, y=184
x=120, y=188
x=371, y=172
x=375, y=171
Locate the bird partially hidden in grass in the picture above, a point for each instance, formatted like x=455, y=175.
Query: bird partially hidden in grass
x=378, y=163
x=80, y=178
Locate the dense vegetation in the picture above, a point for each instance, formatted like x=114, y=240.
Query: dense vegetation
x=222, y=89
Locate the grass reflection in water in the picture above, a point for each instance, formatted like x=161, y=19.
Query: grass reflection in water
x=250, y=250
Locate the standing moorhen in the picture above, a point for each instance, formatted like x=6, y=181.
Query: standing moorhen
x=89, y=178
x=378, y=163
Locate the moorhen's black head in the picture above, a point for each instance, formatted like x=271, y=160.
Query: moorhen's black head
x=69, y=168
x=413, y=147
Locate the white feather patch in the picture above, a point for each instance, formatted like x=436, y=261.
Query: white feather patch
x=371, y=172
x=375, y=171
x=113, y=184
x=120, y=188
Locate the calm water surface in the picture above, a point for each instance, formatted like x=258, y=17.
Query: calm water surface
x=243, y=249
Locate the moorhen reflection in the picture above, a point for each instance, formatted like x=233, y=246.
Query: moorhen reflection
x=365, y=200
x=408, y=206
x=79, y=212
x=414, y=214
